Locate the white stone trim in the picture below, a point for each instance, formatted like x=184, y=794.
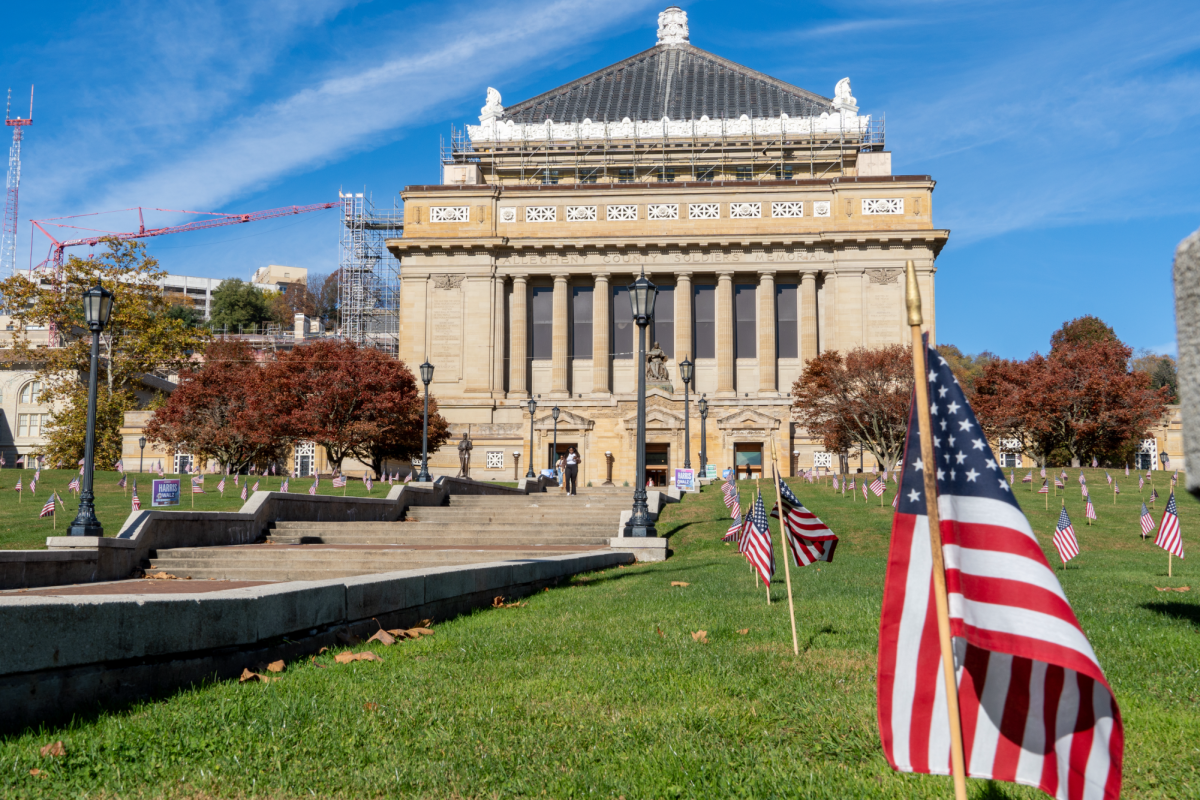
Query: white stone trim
x=822, y=459
x=581, y=213
x=788, y=209
x=843, y=123
x=821, y=208
x=882, y=205
x=745, y=210
x=508, y=214
x=704, y=210
x=662, y=211
x=541, y=213
x=450, y=214
x=622, y=213
x=495, y=459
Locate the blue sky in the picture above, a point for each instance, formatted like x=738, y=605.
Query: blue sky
x=1062, y=135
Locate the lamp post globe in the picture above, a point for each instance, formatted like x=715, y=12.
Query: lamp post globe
x=685, y=375
x=426, y=378
x=142, y=452
x=703, y=404
x=641, y=298
x=97, y=307
x=532, y=409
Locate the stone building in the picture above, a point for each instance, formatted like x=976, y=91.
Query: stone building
x=767, y=215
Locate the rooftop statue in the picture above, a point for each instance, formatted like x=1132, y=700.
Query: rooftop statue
x=491, y=109
x=673, y=26
x=842, y=99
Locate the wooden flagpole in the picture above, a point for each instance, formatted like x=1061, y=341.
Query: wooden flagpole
x=941, y=602
x=787, y=570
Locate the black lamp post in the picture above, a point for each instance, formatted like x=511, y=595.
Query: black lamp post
x=641, y=298
x=426, y=378
x=554, y=412
x=142, y=455
x=97, y=306
x=703, y=439
x=685, y=375
x=532, y=409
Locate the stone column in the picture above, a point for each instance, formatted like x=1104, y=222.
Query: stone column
x=560, y=365
x=726, y=385
x=832, y=302
x=766, y=332
x=683, y=317
x=808, y=317
x=601, y=361
x=518, y=339
x=498, y=336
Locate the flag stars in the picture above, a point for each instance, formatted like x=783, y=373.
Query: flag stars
x=951, y=440
x=977, y=444
x=972, y=475
x=940, y=474
x=942, y=423
x=965, y=425
x=933, y=409
x=919, y=465
x=953, y=407
x=991, y=464
x=942, y=392
x=914, y=496
x=932, y=376
x=1004, y=484
x=960, y=457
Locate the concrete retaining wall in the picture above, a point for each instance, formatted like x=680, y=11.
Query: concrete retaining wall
x=67, y=655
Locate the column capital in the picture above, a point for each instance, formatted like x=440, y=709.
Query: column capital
x=725, y=276
x=602, y=276
x=561, y=276
x=767, y=273
x=519, y=276
x=684, y=274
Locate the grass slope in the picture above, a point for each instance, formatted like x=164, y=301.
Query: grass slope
x=597, y=688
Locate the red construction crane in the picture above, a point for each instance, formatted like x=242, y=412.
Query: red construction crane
x=216, y=220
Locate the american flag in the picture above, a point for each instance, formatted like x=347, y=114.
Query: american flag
x=864, y=489
x=735, y=510
x=1089, y=511
x=48, y=509
x=313, y=489
x=33, y=486
x=137, y=504
x=1095, y=463
x=1035, y=706
x=1028, y=478
x=756, y=541
x=121, y=482
x=339, y=481
x=284, y=487
x=1045, y=488
x=160, y=469
x=244, y=491
x=730, y=493
x=1116, y=488
x=835, y=483
x=197, y=486
x=807, y=536
x=235, y=479
x=408, y=477
x=877, y=487
x=1127, y=470
x=1083, y=489
x=1148, y=475
x=1147, y=521
x=896, y=501
x=1064, y=537
x=221, y=485
x=852, y=484
x=17, y=488
x=367, y=481
x=73, y=485
x=1153, y=494
x=254, y=488
x=1168, y=537
x=1043, y=472
x=1141, y=484
x=1108, y=477
x=1082, y=480
x=1058, y=484
x=120, y=465
x=735, y=530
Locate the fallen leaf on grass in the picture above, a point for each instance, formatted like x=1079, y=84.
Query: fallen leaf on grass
x=37, y=773
x=660, y=633
x=313, y=660
x=370, y=706
x=426, y=623
x=322, y=650
x=498, y=602
x=276, y=666
x=414, y=633
x=701, y=637
x=383, y=637
x=347, y=657
x=744, y=631
x=680, y=583
x=1173, y=588
x=247, y=675
x=53, y=749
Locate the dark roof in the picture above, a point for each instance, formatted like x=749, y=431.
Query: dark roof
x=676, y=81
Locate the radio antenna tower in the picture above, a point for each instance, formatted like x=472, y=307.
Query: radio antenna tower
x=8, y=237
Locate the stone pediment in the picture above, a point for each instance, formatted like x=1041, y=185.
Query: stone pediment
x=566, y=421
x=748, y=418
x=657, y=418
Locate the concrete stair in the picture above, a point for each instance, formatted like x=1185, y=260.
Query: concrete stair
x=471, y=529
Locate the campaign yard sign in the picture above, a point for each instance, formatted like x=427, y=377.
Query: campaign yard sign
x=685, y=480
x=164, y=492
x=710, y=471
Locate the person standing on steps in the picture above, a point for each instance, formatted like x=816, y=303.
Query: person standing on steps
x=572, y=468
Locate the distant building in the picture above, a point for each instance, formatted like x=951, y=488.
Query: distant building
x=279, y=278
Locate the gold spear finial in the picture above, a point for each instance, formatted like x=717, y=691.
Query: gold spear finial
x=912, y=293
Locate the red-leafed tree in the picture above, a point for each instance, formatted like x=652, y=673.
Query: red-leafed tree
x=222, y=410
x=859, y=398
x=353, y=401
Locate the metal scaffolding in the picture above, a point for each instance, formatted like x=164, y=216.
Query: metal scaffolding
x=368, y=275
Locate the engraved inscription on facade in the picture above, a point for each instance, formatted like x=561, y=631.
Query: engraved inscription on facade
x=445, y=349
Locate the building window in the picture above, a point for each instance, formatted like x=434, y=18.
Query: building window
x=886, y=206
x=783, y=172
x=495, y=459
x=745, y=322
x=821, y=208
x=622, y=213
x=590, y=177
x=436, y=214
x=705, y=174
x=306, y=458
x=622, y=317
x=31, y=424
x=663, y=323
x=748, y=460
x=541, y=319
x=1147, y=454
x=704, y=210
x=31, y=393
x=1010, y=453
x=745, y=210
x=183, y=463
x=786, y=325
x=787, y=209
x=581, y=322
x=745, y=173
x=822, y=460
x=665, y=174
x=662, y=211
x=705, y=326
x=625, y=176
x=581, y=213
x=541, y=214
x=550, y=176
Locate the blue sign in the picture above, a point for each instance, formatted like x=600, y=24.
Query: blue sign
x=727, y=473
x=164, y=492
x=685, y=480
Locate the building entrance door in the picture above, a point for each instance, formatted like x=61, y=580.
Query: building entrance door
x=658, y=463
x=563, y=447
x=748, y=460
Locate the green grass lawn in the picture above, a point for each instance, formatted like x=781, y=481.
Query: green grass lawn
x=22, y=529
x=597, y=688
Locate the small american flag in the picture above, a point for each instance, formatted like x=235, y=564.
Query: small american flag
x=1147, y=521
x=756, y=541
x=137, y=504
x=735, y=529
x=877, y=487
x=33, y=486
x=160, y=469
x=121, y=482
x=1089, y=511
x=1148, y=475
x=1028, y=478
x=284, y=487
x=1126, y=470
x=1141, y=484
x=1169, y=538
x=367, y=481
x=254, y=488
x=1108, y=477
x=835, y=483
x=1095, y=463
x=807, y=536
x=1045, y=488
x=221, y=485
x=1153, y=494
x=735, y=510
x=1083, y=489
x=1058, y=484
x=17, y=488
x=1064, y=537
x=339, y=481
x=408, y=477
x=48, y=509
x=120, y=465
x=313, y=489
x=1043, y=472
x=244, y=491
x=235, y=479
x=852, y=484
x=73, y=486
x=197, y=486
x=1116, y=488
x=864, y=488
x=896, y=501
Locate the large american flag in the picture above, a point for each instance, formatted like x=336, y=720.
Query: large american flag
x=1168, y=537
x=1064, y=537
x=807, y=536
x=1035, y=706
x=756, y=541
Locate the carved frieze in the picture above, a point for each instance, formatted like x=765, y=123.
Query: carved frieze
x=447, y=281
x=883, y=276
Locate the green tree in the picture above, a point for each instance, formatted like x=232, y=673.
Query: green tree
x=237, y=305
x=190, y=317
x=967, y=368
x=141, y=339
x=1161, y=369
